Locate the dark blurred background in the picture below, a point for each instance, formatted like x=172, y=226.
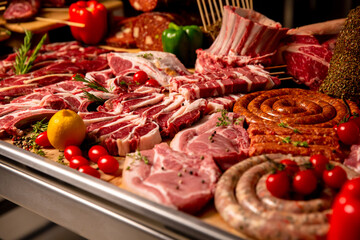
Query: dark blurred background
x=296, y=13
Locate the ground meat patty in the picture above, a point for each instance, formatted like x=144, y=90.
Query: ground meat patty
x=242, y=200
x=149, y=27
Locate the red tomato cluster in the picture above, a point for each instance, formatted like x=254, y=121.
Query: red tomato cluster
x=98, y=154
x=141, y=77
x=289, y=177
x=349, y=131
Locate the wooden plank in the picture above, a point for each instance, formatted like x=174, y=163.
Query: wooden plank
x=61, y=14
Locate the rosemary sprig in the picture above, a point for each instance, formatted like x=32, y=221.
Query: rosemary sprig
x=90, y=83
x=23, y=63
x=224, y=119
x=94, y=98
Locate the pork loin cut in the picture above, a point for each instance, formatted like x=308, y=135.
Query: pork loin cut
x=227, y=81
x=227, y=144
x=158, y=65
x=245, y=37
x=171, y=178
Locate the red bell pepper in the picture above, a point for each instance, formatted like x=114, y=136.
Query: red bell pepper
x=345, y=219
x=94, y=16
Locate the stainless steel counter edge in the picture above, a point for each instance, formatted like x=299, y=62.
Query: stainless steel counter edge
x=82, y=203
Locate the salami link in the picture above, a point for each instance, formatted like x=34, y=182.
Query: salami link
x=122, y=34
x=243, y=201
x=151, y=5
x=148, y=29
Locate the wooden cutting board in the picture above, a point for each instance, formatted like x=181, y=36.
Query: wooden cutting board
x=61, y=14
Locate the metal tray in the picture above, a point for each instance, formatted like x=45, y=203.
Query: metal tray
x=91, y=207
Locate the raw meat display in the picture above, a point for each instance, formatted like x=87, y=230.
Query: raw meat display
x=206, y=141
x=242, y=199
x=21, y=10
x=227, y=144
x=171, y=178
x=246, y=37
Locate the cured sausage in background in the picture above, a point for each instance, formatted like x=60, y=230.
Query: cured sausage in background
x=122, y=34
x=151, y=5
x=148, y=29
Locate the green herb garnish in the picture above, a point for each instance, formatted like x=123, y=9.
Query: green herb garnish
x=300, y=144
x=295, y=143
x=224, y=119
x=146, y=55
x=285, y=125
x=90, y=83
x=23, y=63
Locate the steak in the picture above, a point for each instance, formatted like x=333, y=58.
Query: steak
x=171, y=178
x=307, y=59
x=227, y=144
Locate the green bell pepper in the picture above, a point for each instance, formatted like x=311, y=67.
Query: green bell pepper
x=183, y=42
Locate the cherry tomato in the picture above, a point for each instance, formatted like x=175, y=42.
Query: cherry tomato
x=278, y=184
x=42, y=140
x=96, y=152
x=305, y=182
x=89, y=170
x=319, y=162
x=152, y=83
x=79, y=74
x=108, y=164
x=72, y=151
x=355, y=120
x=348, y=132
x=291, y=166
x=335, y=177
x=140, y=77
x=78, y=161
